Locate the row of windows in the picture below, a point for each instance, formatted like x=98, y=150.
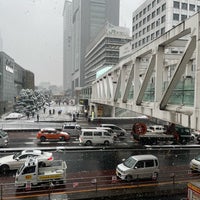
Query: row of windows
x=178, y=17
x=148, y=8
x=185, y=6
x=149, y=27
x=149, y=17
x=148, y=38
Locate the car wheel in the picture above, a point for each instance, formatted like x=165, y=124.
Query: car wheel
x=42, y=164
x=107, y=143
x=155, y=176
x=62, y=138
x=129, y=178
x=42, y=139
x=88, y=143
x=4, y=169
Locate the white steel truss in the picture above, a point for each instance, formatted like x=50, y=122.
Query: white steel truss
x=155, y=71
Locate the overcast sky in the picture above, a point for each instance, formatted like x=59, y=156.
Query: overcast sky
x=32, y=34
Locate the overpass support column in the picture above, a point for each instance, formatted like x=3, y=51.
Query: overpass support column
x=159, y=73
x=136, y=78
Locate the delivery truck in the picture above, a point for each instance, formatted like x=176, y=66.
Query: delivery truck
x=31, y=173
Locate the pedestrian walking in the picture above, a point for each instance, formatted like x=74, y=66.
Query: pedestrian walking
x=38, y=117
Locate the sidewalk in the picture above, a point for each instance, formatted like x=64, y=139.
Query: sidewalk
x=46, y=119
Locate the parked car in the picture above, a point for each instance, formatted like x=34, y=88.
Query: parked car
x=119, y=131
x=14, y=116
x=3, y=138
x=138, y=167
x=14, y=162
x=52, y=134
x=195, y=164
x=73, y=129
x=95, y=136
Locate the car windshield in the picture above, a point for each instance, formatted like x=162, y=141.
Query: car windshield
x=197, y=158
x=130, y=162
x=16, y=155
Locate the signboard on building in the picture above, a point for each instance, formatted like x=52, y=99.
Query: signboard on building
x=83, y=102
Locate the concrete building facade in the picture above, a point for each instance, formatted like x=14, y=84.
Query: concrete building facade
x=13, y=78
x=67, y=46
x=155, y=17
x=88, y=18
x=103, y=51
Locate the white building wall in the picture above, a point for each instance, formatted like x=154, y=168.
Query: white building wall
x=67, y=46
x=154, y=17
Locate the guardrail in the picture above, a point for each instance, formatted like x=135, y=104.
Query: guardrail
x=170, y=183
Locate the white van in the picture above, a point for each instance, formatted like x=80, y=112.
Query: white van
x=72, y=129
x=138, y=167
x=3, y=138
x=95, y=136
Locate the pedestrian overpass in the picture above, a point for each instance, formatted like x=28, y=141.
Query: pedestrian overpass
x=161, y=79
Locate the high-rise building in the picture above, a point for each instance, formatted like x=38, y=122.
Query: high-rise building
x=103, y=51
x=155, y=17
x=67, y=46
x=88, y=18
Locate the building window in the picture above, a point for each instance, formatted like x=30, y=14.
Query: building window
x=158, y=22
x=143, y=41
x=136, y=35
x=176, y=17
x=144, y=11
x=140, y=23
x=163, y=19
x=144, y=20
x=139, y=43
x=132, y=46
x=136, y=45
x=148, y=7
x=184, y=6
x=133, y=37
x=133, y=28
x=162, y=31
x=148, y=17
x=148, y=38
x=153, y=25
x=157, y=33
x=192, y=7
x=183, y=17
x=158, y=11
x=136, y=17
x=153, y=3
x=152, y=36
x=163, y=6
x=158, y=1
x=136, y=26
x=148, y=28
x=176, y=4
x=144, y=30
x=198, y=8
x=133, y=19
x=153, y=14
x=140, y=33
x=140, y=14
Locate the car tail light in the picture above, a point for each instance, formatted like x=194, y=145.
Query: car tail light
x=50, y=158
